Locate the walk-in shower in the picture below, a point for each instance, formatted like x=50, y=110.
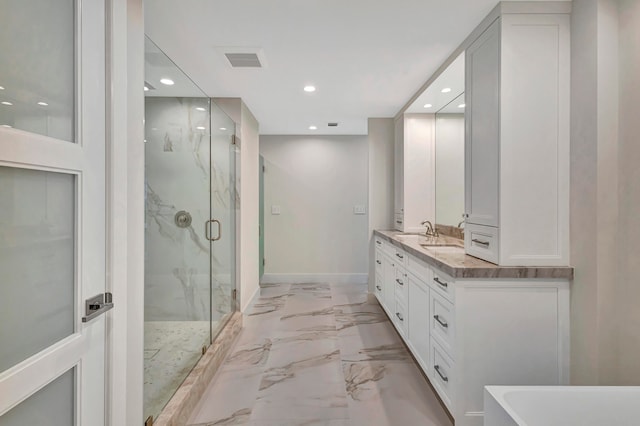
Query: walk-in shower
x=190, y=230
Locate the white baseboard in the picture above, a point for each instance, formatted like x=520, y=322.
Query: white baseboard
x=315, y=278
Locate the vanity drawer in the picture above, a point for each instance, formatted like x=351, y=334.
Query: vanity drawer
x=442, y=322
x=401, y=286
x=443, y=284
x=385, y=246
x=482, y=242
x=400, y=257
x=400, y=318
x=418, y=268
x=442, y=374
x=398, y=223
x=378, y=288
x=378, y=265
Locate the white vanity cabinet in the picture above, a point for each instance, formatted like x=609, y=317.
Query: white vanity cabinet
x=414, y=171
x=517, y=136
x=466, y=333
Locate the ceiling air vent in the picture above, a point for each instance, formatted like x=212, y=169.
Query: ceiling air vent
x=243, y=60
x=332, y=124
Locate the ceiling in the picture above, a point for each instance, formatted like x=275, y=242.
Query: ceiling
x=365, y=57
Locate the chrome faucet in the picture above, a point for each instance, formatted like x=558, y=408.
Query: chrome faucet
x=431, y=232
x=462, y=222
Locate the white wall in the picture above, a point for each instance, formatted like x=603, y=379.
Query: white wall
x=381, y=175
x=449, y=168
x=316, y=181
x=247, y=127
x=605, y=195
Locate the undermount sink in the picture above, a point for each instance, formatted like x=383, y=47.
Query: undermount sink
x=444, y=247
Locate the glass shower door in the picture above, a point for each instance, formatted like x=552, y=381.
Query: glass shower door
x=222, y=227
x=177, y=252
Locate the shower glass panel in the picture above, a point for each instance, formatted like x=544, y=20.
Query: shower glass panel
x=189, y=232
x=223, y=214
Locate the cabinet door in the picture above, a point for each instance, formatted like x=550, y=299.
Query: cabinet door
x=482, y=128
x=418, y=301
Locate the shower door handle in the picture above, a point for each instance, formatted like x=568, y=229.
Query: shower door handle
x=207, y=232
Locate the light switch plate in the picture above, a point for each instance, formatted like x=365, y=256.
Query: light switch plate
x=275, y=209
x=359, y=209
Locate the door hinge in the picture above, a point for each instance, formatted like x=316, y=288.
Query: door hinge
x=234, y=294
x=97, y=305
x=264, y=261
x=264, y=169
x=233, y=139
x=149, y=421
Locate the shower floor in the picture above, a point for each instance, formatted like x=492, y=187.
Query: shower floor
x=171, y=349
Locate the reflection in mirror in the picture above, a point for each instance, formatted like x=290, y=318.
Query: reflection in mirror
x=450, y=163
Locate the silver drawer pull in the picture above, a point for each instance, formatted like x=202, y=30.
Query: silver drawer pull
x=443, y=284
x=442, y=376
x=379, y=288
x=399, y=222
x=399, y=316
x=484, y=243
x=399, y=256
x=378, y=262
x=399, y=281
x=442, y=323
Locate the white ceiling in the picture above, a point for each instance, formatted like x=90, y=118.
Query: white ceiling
x=366, y=57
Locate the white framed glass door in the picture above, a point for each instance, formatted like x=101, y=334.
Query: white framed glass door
x=52, y=211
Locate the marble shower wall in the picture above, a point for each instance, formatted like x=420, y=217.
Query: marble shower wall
x=180, y=176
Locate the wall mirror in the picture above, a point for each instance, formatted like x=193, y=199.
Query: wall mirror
x=444, y=99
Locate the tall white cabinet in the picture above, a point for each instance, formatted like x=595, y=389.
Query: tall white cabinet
x=414, y=189
x=517, y=137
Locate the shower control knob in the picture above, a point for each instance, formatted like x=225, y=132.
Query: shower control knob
x=183, y=219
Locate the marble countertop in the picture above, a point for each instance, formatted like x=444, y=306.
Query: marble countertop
x=452, y=260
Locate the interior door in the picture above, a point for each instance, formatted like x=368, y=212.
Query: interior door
x=52, y=212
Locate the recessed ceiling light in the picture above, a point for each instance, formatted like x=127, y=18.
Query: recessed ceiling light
x=167, y=81
x=313, y=128
x=428, y=105
x=43, y=103
x=201, y=128
x=462, y=105
x=146, y=89
x=309, y=89
x=201, y=109
x=145, y=141
x=1, y=88
x=223, y=128
x=6, y=125
x=446, y=90
x=6, y=103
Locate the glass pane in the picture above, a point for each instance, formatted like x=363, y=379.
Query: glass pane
x=53, y=405
x=223, y=209
x=36, y=261
x=37, y=83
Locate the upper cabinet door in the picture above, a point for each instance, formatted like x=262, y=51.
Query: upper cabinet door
x=482, y=139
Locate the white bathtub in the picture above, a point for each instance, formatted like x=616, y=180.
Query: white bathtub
x=562, y=405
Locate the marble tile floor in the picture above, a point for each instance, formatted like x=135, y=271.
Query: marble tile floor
x=318, y=354
x=171, y=350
